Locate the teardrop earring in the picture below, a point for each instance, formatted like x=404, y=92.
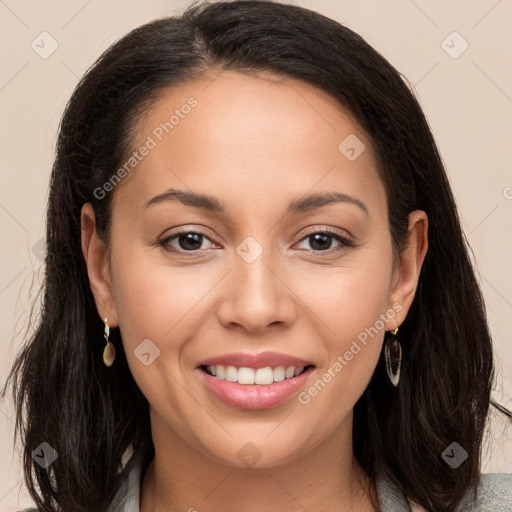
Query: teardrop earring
x=393, y=357
x=109, y=352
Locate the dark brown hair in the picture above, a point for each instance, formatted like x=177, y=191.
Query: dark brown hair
x=91, y=414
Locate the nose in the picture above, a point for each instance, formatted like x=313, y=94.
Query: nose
x=256, y=296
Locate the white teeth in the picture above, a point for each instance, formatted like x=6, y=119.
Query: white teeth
x=279, y=374
x=231, y=374
x=261, y=376
x=290, y=372
x=245, y=376
x=219, y=371
x=264, y=376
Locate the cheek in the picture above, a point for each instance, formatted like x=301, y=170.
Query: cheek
x=161, y=304
x=353, y=303
x=155, y=300
x=353, y=346
x=351, y=296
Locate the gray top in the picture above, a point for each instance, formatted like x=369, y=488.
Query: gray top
x=494, y=493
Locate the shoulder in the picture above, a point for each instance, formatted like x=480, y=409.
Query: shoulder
x=494, y=494
x=127, y=495
x=496, y=481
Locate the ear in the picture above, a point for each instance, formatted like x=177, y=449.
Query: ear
x=407, y=269
x=96, y=260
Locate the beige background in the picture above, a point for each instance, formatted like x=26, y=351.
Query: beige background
x=468, y=101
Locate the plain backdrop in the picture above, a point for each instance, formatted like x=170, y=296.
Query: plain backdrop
x=457, y=54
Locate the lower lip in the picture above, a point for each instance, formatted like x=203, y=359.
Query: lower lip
x=254, y=396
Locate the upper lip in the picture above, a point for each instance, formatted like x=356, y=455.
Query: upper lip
x=262, y=360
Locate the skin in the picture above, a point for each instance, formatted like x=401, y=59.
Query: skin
x=255, y=143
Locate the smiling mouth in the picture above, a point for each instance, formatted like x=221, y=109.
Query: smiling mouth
x=249, y=376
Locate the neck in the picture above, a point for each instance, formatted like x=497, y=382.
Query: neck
x=180, y=477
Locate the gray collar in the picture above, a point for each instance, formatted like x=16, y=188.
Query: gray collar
x=391, y=498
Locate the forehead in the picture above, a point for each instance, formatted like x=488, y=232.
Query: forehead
x=247, y=134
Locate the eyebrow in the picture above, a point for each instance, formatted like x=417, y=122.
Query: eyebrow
x=212, y=204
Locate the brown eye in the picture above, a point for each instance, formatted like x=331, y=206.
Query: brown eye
x=186, y=241
x=321, y=241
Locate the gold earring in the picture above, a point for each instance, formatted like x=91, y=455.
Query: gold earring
x=393, y=357
x=109, y=352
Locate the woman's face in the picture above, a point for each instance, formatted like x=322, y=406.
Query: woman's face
x=253, y=279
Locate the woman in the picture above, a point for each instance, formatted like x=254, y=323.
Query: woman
x=321, y=344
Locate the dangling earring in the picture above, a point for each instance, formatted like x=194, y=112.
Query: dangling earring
x=109, y=352
x=393, y=356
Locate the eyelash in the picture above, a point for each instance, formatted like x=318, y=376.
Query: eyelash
x=344, y=241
